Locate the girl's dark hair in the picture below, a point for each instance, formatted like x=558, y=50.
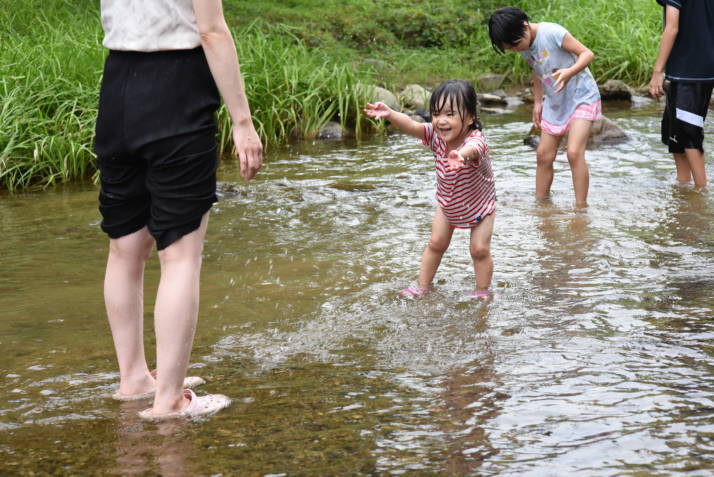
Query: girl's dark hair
x=458, y=95
x=506, y=26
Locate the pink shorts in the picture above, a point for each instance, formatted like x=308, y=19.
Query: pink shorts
x=591, y=112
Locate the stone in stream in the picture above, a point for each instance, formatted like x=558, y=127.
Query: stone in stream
x=615, y=90
x=490, y=82
x=604, y=131
x=415, y=97
x=331, y=130
x=488, y=99
x=377, y=94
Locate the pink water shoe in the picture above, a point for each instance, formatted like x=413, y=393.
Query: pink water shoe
x=413, y=292
x=481, y=295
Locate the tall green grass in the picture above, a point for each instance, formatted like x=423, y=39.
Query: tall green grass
x=49, y=75
x=430, y=41
x=50, y=72
x=299, y=74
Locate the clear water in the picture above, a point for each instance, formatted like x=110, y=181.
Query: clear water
x=595, y=358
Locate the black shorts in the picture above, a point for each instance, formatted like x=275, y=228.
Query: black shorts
x=156, y=143
x=684, y=115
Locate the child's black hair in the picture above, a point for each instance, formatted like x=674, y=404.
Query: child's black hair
x=507, y=26
x=460, y=96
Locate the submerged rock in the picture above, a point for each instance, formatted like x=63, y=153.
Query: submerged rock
x=229, y=189
x=487, y=99
x=331, y=130
x=352, y=187
x=606, y=131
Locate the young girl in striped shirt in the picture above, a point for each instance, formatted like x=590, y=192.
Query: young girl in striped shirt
x=465, y=192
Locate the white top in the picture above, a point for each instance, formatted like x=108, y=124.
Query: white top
x=149, y=25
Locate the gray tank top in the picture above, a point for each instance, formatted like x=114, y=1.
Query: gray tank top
x=547, y=55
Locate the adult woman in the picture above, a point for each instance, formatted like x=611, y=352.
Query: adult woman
x=157, y=156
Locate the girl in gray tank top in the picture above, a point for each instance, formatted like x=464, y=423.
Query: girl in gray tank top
x=566, y=96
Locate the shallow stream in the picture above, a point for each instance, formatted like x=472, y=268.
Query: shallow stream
x=595, y=358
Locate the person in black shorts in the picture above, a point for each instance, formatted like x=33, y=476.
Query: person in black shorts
x=168, y=66
x=686, y=50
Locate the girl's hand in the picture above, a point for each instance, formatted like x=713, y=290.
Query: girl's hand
x=657, y=84
x=456, y=160
x=561, y=78
x=378, y=111
x=537, y=113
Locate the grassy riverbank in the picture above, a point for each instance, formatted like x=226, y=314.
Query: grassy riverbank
x=299, y=73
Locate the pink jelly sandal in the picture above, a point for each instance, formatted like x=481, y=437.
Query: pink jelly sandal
x=197, y=406
x=413, y=292
x=188, y=382
x=481, y=295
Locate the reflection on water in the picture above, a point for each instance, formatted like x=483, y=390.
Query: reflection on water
x=162, y=451
x=594, y=358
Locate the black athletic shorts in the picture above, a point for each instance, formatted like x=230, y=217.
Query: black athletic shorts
x=156, y=143
x=684, y=115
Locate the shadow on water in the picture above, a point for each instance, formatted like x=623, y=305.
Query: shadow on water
x=594, y=358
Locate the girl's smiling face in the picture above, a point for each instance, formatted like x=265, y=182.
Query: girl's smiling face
x=449, y=125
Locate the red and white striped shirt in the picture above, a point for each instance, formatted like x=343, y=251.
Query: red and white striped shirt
x=466, y=195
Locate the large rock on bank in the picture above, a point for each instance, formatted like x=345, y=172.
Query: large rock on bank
x=415, y=97
x=490, y=82
x=385, y=96
x=615, y=90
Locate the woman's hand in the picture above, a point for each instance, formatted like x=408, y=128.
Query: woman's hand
x=657, y=84
x=455, y=160
x=378, y=111
x=561, y=78
x=537, y=113
x=249, y=149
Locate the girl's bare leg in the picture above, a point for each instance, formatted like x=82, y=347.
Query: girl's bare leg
x=480, y=248
x=175, y=317
x=545, y=157
x=124, y=300
x=439, y=241
x=577, y=141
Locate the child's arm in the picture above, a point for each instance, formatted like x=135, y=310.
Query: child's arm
x=457, y=158
x=401, y=121
x=585, y=57
x=671, y=28
x=537, y=100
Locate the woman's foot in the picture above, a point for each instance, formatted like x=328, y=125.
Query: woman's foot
x=197, y=406
x=188, y=382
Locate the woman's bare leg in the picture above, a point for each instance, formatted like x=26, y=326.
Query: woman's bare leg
x=124, y=300
x=175, y=317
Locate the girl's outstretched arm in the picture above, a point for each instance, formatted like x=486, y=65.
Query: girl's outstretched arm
x=401, y=121
x=671, y=28
x=585, y=57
